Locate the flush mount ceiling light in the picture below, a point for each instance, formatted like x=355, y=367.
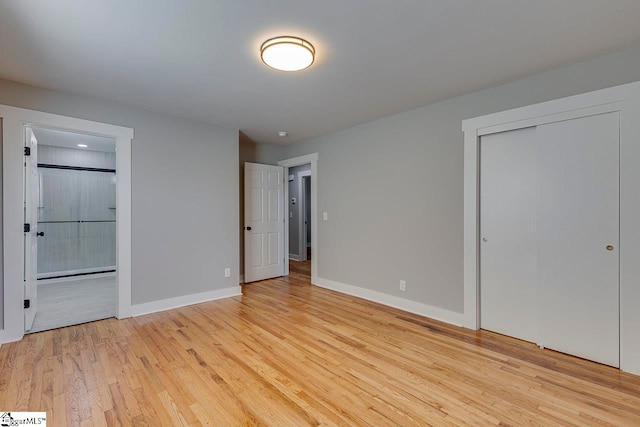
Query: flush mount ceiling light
x=82, y=145
x=287, y=53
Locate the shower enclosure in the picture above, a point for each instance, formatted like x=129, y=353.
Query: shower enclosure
x=76, y=212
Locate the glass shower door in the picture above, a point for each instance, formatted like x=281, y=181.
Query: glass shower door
x=78, y=217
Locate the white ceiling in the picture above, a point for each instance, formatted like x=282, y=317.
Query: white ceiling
x=59, y=138
x=199, y=59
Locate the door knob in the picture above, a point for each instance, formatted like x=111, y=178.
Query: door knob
x=609, y=247
x=248, y=228
x=484, y=239
x=40, y=233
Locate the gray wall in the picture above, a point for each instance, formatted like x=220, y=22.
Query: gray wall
x=393, y=188
x=184, y=193
x=294, y=226
x=1, y=235
x=69, y=196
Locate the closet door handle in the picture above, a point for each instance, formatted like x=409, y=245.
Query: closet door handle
x=40, y=233
x=609, y=247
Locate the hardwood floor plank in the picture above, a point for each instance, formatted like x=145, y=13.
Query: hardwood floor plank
x=97, y=416
x=58, y=414
x=289, y=353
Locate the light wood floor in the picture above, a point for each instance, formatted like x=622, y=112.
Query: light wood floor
x=288, y=353
x=74, y=301
x=303, y=268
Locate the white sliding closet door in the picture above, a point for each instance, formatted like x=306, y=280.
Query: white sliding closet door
x=578, y=233
x=508, y=233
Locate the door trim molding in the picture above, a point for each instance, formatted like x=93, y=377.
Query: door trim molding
x=13, y=119
x=302, y=228
x=289, y=163
x=624, y=99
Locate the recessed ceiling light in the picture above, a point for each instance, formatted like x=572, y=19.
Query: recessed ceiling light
x=287, y=53
x=283, y=133
x=82, y=145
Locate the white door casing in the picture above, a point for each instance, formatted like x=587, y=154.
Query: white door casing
x=13, y=121
x=302, y=215
x=263, y=222
x=315, y=252
x=578, y=248
x=508, y=233
x=32, y=199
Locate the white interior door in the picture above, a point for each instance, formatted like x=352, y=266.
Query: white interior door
x=578, y=258
x=508, y=233
x=264, y=222
x=31, y=202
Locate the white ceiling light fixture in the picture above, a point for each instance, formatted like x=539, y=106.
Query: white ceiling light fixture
x=82, y=145
x=283, y=133
x=287, y=53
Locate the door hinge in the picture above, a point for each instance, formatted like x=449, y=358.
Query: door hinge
x=27, y=151
x=27, y=303
x=27, y=228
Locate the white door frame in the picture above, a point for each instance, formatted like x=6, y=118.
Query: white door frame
x=302, y=226
x=624, y=99
x=13, y=120
x=299, y=161
x=32, y=187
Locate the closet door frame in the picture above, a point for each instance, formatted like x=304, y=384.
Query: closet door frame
x=623, y=99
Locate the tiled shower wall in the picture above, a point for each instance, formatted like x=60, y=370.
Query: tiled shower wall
x=77, y=212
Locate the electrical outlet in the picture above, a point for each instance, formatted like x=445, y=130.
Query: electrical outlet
x=403, y=285
x=227, y=272
x=325, y=216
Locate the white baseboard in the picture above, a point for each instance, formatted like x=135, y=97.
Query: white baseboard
x=403, y=304
x=6, y=337
x=294, y=257
x=170, y=303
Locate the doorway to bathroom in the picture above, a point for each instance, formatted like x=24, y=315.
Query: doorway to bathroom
x=70, y=195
